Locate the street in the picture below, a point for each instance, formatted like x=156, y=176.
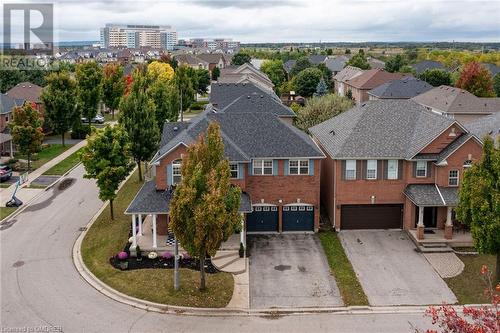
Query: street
x=40, y=286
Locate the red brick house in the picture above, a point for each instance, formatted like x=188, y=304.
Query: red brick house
x=276, y=166
x=369, y=79
x=394, y=164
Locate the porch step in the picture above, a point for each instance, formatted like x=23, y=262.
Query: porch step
x=434, y=248
x=229, y=261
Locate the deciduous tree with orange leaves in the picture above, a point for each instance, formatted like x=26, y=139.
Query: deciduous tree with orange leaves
x=476, y=79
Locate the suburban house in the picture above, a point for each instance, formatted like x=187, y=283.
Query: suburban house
x=486, y=126
x=223, y=94
x=314, y=59
x=191, y=61
x=395, y=164
x=276, y=166
x=492, y=68
x=361, y=84
x=337, y=63
x=341, y=78
x=7, y=103
x=404, y=88
x=424, y=65
x=245, y=73
x=458, y=103
x=206, y=61
x=27, y=91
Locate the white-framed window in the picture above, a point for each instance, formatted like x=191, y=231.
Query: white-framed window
x=302, y=208
x=274, y=209
x=262, y=167
x=453, y=178
x=310, y=208
x=257, y=208
x=298, y=167
x=350, y=169
x=234, y=168
x=371, y=169
x=293, y=208
x=421, y=169
x=286, y=208
x=392, y=169
x=266, y=208
x=176, y=172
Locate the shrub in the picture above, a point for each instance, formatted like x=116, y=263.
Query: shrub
x=167, y=255
x=80, y=132
x=186, y=256
x=122, y=255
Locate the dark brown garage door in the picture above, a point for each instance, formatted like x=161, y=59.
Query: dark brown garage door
x=371, y=216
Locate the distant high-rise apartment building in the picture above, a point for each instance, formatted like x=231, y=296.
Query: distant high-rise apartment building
x=135, y=36
x=215, y=44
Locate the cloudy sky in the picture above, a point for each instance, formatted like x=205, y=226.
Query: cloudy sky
x=287, y=20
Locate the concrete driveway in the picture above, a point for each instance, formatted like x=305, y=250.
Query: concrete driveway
x=390, y=270
x=290, y=270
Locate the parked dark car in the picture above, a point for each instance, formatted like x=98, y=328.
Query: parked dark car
x=5, y=172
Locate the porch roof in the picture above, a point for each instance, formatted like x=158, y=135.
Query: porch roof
x=431, y=195
x=151, y=201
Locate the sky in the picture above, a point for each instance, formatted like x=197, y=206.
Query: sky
x=282, y=20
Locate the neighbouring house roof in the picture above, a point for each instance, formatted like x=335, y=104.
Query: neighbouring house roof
x=288, y=65
x=380, y=129
x=336, y=64
x=244, y=74
x=424, y=65
x=317, y=59
x=223, y=94
x=348, y=73
x=26, y=91
x=431, y=195
x=487, y=125
x=149, y=200
x=375, y=63
x=404, y=88
x=492, y=68
x=191, y=60
x=5, y=137
x=373, y=78
x=452, y=100
x=7, y=103
x=259, y=102
x=211, y=58
x=452, y=147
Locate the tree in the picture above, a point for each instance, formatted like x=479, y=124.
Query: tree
x=359, y=60
x=9, y=78
x=106, y=158
x=240, y=58
x=407, y=69
x=394, y=64
x=202, y=80
x=301, y=64
x=329, y=52
x=59, y=101
x=321, y=108
x=184, y=82
x=26, y=130
x=326, y=73
x=158, y=70
x=215, y=73
x=496, y=84
x=476, y=79
x=479, y=201
x=113, y=86
x=321, y=89
x=165, y=96
x=349, y=94
x=307, y=81
x=436, y=77
x=137, y=115
x=347, y=51
x=89, y=88
x=274, y=70
x=204, y=208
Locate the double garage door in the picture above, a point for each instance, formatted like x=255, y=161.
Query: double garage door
x=294, y=218
x=371, y=216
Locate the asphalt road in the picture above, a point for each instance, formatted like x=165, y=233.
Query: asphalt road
x=40, y=286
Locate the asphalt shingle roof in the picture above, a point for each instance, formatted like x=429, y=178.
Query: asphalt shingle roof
x=259, y=102
x=404, y=88
x=424, y=65
x=7, y=103
x=373, y=78
x=432, y=195
x=348, y=73
x=223, y=94
x=26, y=91
x=380, y=129
x=488, y=125
x=336, y=64
x=492, y=68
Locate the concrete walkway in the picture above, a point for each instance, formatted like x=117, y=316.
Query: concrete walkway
x=447, y=265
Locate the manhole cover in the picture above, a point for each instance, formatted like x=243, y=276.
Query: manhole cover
x=65, y=183
x=18, y=263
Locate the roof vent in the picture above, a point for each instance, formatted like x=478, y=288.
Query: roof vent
x=176, y=128
x=261, y=96
x=248, y=96
x=332, y=132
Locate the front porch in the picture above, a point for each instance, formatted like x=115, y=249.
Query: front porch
x=459, y=238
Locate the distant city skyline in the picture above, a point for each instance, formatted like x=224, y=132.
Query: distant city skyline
x=288, y=20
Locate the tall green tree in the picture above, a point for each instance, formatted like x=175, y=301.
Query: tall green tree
x=26, y=130
x=204, y=209
x=301, y=64
x=321, y=89
x=436, y=77
x=113, y=86
x=274, y=70
x=165, y=96
x=215, y=73
x=395, y=63
x=479, y=201
x=496, y=84
x=89, y=88
x=476, y=79
x=359, y=60
x=137, y=115
x=202, y=80
x=240, y=58
x=59, y=100
x=321, y=108
x=106, y=158
x=183, y=78
x=307, y=81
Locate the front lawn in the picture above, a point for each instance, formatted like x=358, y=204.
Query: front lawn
x=65, y=165
x=45, y=155
x=6, y=211
x=469, y=286
x=106, y=238
x=341, y=268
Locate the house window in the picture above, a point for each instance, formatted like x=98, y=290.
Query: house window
x=233, y=167
x=421, y=169
x=371, y=169
x=453, y=178
x=176, y=172
x=350, y=169
x=392, y=169
x=298, y=167
x=262, y=167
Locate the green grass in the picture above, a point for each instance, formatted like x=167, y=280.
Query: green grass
x=108, y=117
x=4, y=185
x=341, y=268
x=469, y=286
x=37, y=186
x=6, y=211
x=106, y=238
x=65, y=165
x=45, y=155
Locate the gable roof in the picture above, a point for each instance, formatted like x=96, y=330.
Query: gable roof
x=380, y=129
x=223, y=94
x=211, y=58
x=26, y=91
x=373, y=78
x=337, y=63
x=190, y=59
x=424, y=65
x=455, y=100
x=317, y=59
x=7, y=103
x=258, y=102
x=404, y=88
x=244, y=74
x=348, y=73
x=488, y=125
x=288, y=65
x=492, y=68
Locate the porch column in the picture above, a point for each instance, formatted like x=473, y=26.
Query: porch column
x=243, y=233
x=448, y=227
x=154, y=231
x=11, y=149
x=134, y=234
x=140, y=225
x=420, y=224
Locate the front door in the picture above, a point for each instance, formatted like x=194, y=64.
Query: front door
x=430, y=217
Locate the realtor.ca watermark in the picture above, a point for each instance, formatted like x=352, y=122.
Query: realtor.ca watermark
x=43, y=328
x=28, y=36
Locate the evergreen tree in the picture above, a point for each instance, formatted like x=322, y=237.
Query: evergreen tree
x=321, y=88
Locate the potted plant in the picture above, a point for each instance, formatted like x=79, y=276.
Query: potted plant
x=242, y=251
x=139, y=253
